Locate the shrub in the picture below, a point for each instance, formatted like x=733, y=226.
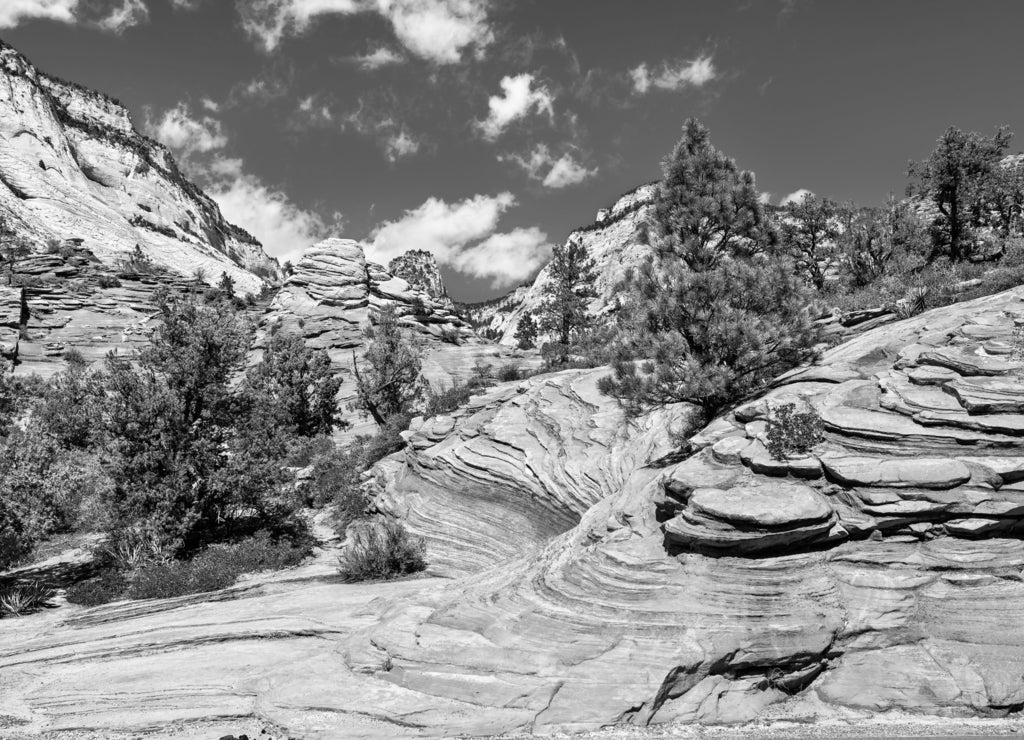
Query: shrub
x=15, y=542
x=381, y=549
x=508, y=372
x=447, y=400
x=108, y=281
x=792, y=432
x=450, y=336
x=109, y=586
x=25, y=598
x=336, y=481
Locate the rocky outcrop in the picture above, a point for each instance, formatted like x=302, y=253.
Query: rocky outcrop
x=616, y=241
x=609, y=583
x=72, y=166
x=419, y=268
x=333, y=295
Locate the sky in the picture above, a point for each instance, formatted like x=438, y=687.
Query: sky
x=485, y=130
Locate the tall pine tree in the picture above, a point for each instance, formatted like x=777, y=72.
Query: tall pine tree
x=567, y=294
x=719, y=310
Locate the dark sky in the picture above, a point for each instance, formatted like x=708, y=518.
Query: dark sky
x=486, y=130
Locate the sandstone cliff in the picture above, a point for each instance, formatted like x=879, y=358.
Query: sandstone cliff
x=419, y=268
x=72, y=166
x=617, y=240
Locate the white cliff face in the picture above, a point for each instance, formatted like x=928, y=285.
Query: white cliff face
x=419, y=268
x=72, y=166
x=616, y=242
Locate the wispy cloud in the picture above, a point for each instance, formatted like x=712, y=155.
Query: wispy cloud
x=552, y=172
x=464, y=235
x=108, y=15
x=795, y=197
x=265, y=211
x=382, y=56
x=673, y=75
x=441, y=31
x=519, y=99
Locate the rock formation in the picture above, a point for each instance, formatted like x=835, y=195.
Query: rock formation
x=616, y=241
x=419, y=268
x=332, y=295
x=609, y=582
x=72, y=166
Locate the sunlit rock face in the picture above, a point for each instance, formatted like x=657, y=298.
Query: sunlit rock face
x=332, y=297
x=616, y=241
x=880, y=570
x=603, y=580
x=72, y=166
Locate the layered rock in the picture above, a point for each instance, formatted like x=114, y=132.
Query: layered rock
x=332, y=296
x=72, y=166
x=615, y=584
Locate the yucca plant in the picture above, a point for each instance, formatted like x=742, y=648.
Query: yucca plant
x=25, y=598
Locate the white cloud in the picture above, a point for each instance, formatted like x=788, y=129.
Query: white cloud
x=795, y=197
x=187, y=135
x=506, y=258
x=13, y=12
x=765, y=197
x=107, y=15
x=120, y=17
x=518, y=100
x=673, y=76
x=437, y=30
x=267, y=213
x=463, y=235
x=400, y=145
x=382, y=56
x=211, y=105
x=551, y=172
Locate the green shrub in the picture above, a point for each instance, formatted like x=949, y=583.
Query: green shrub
x=381, y=549
x=108, y=281
x=792, y=432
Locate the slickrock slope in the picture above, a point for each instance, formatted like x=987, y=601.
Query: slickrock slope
x=329, y=300
x=616, y=241
x=72, y=166
x=880, y=572
x=883, y=571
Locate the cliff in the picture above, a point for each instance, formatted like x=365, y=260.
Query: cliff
x=72, y=166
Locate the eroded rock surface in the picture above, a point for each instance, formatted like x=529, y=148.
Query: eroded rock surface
x=609, y=583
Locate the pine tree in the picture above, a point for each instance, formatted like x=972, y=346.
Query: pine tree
x=719, y=310
x=958, y=178
x=389, y=382
x=567, y=294
x=526, y=332
x=810, y=229
x=226, y=285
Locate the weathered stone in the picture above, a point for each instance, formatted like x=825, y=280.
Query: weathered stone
x=855, y=470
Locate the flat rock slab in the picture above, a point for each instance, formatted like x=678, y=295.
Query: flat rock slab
x=768, y=505
x=917, y=472
x=988, y=395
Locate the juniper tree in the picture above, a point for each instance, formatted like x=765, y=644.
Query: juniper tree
x=567, y=294
x=810, y=228
x=389, y=381
x=526, y=331
x=297, y=384
x=958, y=178
x=719, y=310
